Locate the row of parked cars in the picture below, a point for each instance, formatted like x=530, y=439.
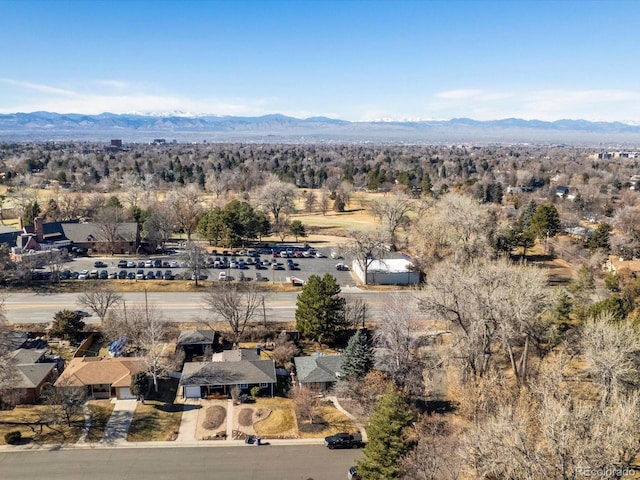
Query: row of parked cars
x=139, y=274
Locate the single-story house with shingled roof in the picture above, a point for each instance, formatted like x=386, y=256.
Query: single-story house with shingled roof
x=318, y=372
x=195, y=342
x=31, y=376
x=200, y=379
x=104, y=377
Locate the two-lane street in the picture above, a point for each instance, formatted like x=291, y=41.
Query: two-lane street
x=165, y=463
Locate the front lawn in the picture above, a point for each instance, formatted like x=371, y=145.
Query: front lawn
x=37, y=423
x=327, y=420
x=159, y=418
x=280, y=422
x=100, y=412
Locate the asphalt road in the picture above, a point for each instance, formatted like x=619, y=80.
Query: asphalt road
x=305, y=462
x=177, y=306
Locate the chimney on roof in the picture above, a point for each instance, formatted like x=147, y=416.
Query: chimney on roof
x=39, y=228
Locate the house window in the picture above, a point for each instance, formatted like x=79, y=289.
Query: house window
x=264, y=385
x=244, y=385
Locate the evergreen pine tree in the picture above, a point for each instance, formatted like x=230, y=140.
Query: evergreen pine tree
x=320, y=308
x=386, y=444
x=357, y=358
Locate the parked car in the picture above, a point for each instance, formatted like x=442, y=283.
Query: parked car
x=112, y=276
x=131, y=264
x=158, y=274
x=122, y=274
x=320, y=255
x=157, y=263
x=103, y=275
x=148, y=264
x=99, y=264
x=150, y=275
x=174, y=265
x=200, y=277
x=343, y=440
x=342, y=267
x=74, y=275
x=140, y=274
x=140, y=264
x=65, y=275
x=82, y=313
x=336, y=255
x=122, y=264
x=168, y=275
x=131, y=276
x=352, y=474
x=222, y=276
x=94, y=274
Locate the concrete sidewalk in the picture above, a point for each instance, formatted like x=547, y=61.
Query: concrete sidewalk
x=118, y=425
x=189, y=422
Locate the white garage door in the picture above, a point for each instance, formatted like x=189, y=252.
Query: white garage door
x=192, y=392
x=125, y=394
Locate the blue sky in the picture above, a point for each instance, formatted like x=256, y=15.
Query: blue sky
x=355, y=60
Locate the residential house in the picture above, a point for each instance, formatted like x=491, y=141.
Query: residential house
x=562, y=191
x=200, y=379
x=318, y=372
x=197, y=342
x=104, y=377
x=31, y=376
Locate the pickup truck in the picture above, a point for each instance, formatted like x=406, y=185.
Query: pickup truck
x=343, y=440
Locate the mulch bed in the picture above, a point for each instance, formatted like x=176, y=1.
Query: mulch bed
x=215, y=416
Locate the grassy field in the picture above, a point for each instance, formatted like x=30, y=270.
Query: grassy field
x=327, y=421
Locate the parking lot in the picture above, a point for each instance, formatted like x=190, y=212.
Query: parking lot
x=259, y=266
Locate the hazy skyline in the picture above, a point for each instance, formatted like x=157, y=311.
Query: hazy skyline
x=354, y=60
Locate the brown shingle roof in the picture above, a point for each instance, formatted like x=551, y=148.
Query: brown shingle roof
x=116, y=372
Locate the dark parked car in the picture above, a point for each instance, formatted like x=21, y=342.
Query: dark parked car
x=131, y=276
x=150, y=275
x=122, y=264
x=352, y=474
x=158, y=275
x=103, y=275
x=343, y=440
x=168, y=275
x=99, y=264
x=157, y=263
x=342, y=267
x=122, y=274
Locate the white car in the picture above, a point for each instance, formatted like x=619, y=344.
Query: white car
x=84, y=275
x=320, y=255
x=174, y=265
x=148, y=264
x=222, y=276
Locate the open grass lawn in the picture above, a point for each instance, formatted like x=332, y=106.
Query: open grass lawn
x=159, y=418
x=55, y=433
x=280, y=423
x=326, y=421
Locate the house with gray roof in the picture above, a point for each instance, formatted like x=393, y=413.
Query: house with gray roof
x=318, y=372
x=200, y=379
x=196, y=342
x=31, y=376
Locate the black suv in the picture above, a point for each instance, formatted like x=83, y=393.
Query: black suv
x=343, y=440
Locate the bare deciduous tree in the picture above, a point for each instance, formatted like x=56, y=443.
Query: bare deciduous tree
x=277, y=197
x=491, y=306
x=185, y=208
x=456, y=226
x=365, y=247
x=309, y=201
x=193, y=258
x=305, y=402
x=236, y=303
x=398, y=335
x=611, y=349
x=99, y=298
x=392, y=212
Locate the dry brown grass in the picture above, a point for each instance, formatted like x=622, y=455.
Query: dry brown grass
x=100, y=412
x=52, y=434
x=281, y=422
x=155, y=421
x=331, y=421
